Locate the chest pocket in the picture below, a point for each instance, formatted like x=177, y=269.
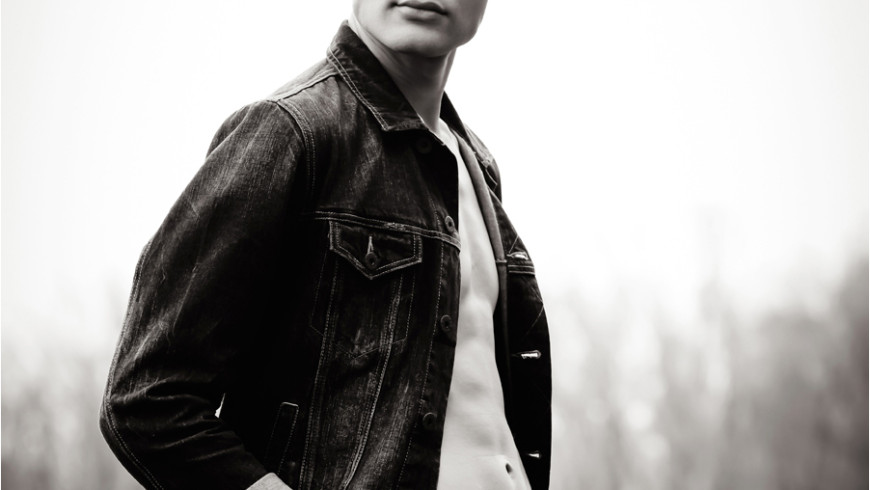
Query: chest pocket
x=374, y=252
x=373, y=285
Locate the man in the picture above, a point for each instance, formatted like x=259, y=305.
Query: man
x=341, y=284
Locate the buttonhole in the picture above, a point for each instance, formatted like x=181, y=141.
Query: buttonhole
x=532, y=354
x=371, y=257
x=519, y=255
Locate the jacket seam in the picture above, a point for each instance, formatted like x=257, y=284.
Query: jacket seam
x=107, y=409
x=289, y=438
x=317, y=291
x=301, y=87
x=350, y=83
x=336, y=247
x=534, y=322
x=410, y=307
x=383, y=225
x=394, y=309
x=426, y=374
x=116, y=434
x=325, y=349
x=302, y=123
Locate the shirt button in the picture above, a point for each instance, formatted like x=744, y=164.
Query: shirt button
x=446, y=323
x=450, y=225
x=424, y=145
x=429, y=421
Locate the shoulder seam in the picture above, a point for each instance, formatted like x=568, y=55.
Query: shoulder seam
x=302, y=87
x=301, y=121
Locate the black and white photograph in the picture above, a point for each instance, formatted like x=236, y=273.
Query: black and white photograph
x=434, y=244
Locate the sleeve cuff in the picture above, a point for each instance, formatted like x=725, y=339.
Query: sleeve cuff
x=269, y=482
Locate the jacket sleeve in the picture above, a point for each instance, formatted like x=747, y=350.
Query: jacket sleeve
x=195, y=309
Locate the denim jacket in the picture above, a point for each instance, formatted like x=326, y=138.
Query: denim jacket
x=304, y=286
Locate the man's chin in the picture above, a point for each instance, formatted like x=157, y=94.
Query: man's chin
x=421, y=46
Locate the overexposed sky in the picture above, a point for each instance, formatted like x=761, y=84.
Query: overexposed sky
x=644, y=146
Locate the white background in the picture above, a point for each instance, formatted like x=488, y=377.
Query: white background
x=631, y=135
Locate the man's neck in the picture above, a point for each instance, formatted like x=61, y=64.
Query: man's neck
x=421, y=79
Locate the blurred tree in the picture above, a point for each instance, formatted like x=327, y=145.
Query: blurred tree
x=641, y=401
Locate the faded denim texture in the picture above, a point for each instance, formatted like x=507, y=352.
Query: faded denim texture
x=307, y=280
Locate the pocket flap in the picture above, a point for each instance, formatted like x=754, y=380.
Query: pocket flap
x=374, y=251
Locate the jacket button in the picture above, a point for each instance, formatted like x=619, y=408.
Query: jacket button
x=430, y=420
x=450, y=225
x=446, y=323
x=372, y=260
x=424, y=145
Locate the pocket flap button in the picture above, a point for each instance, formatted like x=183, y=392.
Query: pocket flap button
x=372, y=260
x=371, y=257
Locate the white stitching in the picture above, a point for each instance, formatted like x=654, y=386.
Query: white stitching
x=384, y=225
x=116, y=433
x=307, y=142
x=335, y=246
x=324, y=350
x=426, y=374
x=365, y=433
x=110, y=418
x=354, y=89
x=289, y=437
x=410, y=305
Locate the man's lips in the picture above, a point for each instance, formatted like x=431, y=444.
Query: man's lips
x=423, y=5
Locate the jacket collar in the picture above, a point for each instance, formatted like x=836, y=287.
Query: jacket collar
x=373, y=86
